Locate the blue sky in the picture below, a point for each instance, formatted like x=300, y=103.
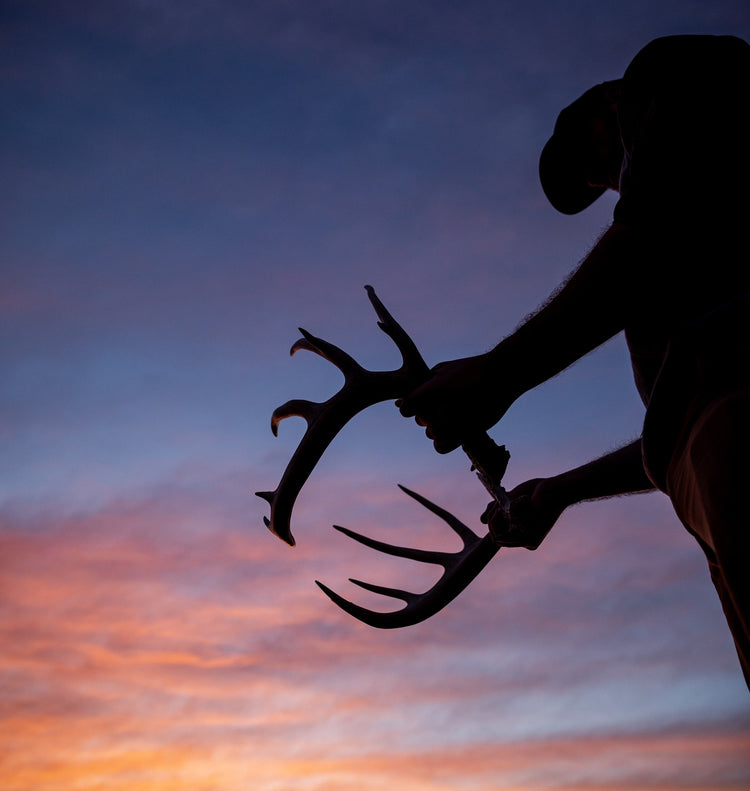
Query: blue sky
x=182, y=189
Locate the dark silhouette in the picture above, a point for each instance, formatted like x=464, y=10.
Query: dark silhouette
x=672, y=136
x=361, y=389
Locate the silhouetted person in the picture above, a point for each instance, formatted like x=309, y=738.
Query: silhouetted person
x=672, y=136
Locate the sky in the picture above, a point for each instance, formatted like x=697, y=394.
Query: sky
x=183, y=186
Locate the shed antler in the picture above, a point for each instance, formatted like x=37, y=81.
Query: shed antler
x=361, y=389
x=459, y=569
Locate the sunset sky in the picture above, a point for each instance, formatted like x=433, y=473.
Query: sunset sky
x=183, y=185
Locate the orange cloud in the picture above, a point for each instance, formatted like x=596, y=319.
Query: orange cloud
x=164, y=644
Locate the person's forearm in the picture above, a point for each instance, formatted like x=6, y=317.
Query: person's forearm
x=598, y=301
x=536, y=505
x=593, y=305
x=619, y=472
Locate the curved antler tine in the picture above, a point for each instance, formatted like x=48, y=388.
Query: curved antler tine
x=394, y=593
x=297, y=407
x=421, y=555
x=380, y=620
x=409, y=353
x=361, y=389
x=343, y=361
x=467, y=535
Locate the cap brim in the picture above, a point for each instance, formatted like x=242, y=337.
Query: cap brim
x=563, y=175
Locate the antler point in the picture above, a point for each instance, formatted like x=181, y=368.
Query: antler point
x=287, y=539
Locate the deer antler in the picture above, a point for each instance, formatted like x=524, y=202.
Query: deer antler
x=459, y=569
x=361, y=389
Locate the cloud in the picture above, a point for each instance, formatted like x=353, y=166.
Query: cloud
x=156, y=632
x=187, y=187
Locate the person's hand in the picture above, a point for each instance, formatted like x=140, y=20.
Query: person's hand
x=459, y=400
x=534, y=508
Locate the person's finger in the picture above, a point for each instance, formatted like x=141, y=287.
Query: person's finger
x=444, y=445
x=488, y=512
x=524, y=489
x=405, y=407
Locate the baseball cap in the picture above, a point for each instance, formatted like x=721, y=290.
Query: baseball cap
x=562, y=164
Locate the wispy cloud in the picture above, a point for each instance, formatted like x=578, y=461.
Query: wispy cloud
x=164, y=632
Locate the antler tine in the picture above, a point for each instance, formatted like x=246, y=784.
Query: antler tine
x=467, y=535
x=409, y=353
x=380, y=620
x=361, y=389
x=410, y=553
x=394, y=593
x=297, y=407
x=459, y=569
x=343, y=361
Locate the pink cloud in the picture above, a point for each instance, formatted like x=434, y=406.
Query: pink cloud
x=167, y=637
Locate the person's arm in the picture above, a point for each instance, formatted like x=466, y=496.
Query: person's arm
x=537, y=504
x=468, y=395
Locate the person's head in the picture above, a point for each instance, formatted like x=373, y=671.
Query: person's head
x=584, y=156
